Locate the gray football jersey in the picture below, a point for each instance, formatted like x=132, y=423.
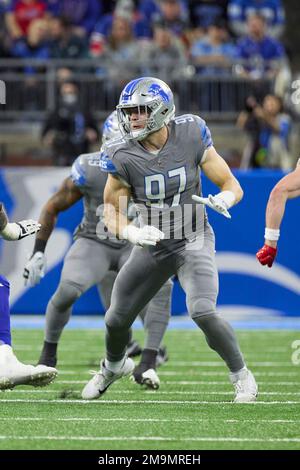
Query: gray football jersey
x=162, y=184
x=88, y=177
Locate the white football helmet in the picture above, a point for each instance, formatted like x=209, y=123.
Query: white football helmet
x=110, y=129
x=148, y=93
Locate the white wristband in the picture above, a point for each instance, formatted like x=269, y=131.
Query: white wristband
x=272, y=234
x=228, y=197
x=11, y=231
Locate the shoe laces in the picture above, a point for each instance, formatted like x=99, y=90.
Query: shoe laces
x=239, y=386
x=96, y=375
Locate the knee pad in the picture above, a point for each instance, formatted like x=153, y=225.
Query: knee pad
x=115, y=320
x=66, y=295
x=201, y=306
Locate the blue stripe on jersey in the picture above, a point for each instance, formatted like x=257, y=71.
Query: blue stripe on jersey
x=107, y=165
x=78, y=175
x=205, y=134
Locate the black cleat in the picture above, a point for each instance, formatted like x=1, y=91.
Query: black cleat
x=133, y=349
x=162, y=356
x=143, y=374
x=48, y=355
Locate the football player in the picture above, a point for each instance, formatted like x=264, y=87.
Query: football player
x=93, y=259
x=12, y=371
x=158, y=166
x=287, y=188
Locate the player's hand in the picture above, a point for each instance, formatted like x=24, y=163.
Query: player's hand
x=17, y=230
x=214, y=202
x=35, y=269
x=266, y=255
x=144, y=236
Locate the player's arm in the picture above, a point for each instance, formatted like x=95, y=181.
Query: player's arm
x=287, y=188
x=67, y=195
x=116, y=199
x=64, y=198
x=217, y=171
x=16, y=230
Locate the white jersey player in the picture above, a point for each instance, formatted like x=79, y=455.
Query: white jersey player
x=12, y=371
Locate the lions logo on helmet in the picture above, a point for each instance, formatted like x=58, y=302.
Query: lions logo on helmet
x=110, y=128
x=150, y=94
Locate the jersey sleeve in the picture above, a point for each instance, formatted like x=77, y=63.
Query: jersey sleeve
x=78, y=172
x=111, y=163
x=204, y=136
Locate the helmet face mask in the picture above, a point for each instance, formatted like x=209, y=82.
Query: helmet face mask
x=142, y=96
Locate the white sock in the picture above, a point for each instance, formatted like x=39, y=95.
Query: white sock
x=236, y=375
x=5, y=347
x=114, y=366
x=6, y=353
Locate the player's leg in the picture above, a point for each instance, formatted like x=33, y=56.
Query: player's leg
x=156, y=320
x=12, y=371
x=133, y=347
x=86, y=264
x=199, y=278
x=137, y=282
x=105, y=289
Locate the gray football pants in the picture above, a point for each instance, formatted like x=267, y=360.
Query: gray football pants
x=144, y=274
x=90, y=263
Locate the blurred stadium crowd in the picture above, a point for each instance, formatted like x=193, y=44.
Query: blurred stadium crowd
x=65, y=62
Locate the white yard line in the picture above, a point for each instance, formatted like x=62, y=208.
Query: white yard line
x=157, y=392
x=149, y=438
x=192, y=363
x=206, y=373
x=143, y=402
x=189, y=382
x=175, y=363
x=221, y=364
x=220, y=382
x=97, y=351
x=157, y=420
x=196, y=372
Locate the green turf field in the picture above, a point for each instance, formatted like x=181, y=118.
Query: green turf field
x=191, y=410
